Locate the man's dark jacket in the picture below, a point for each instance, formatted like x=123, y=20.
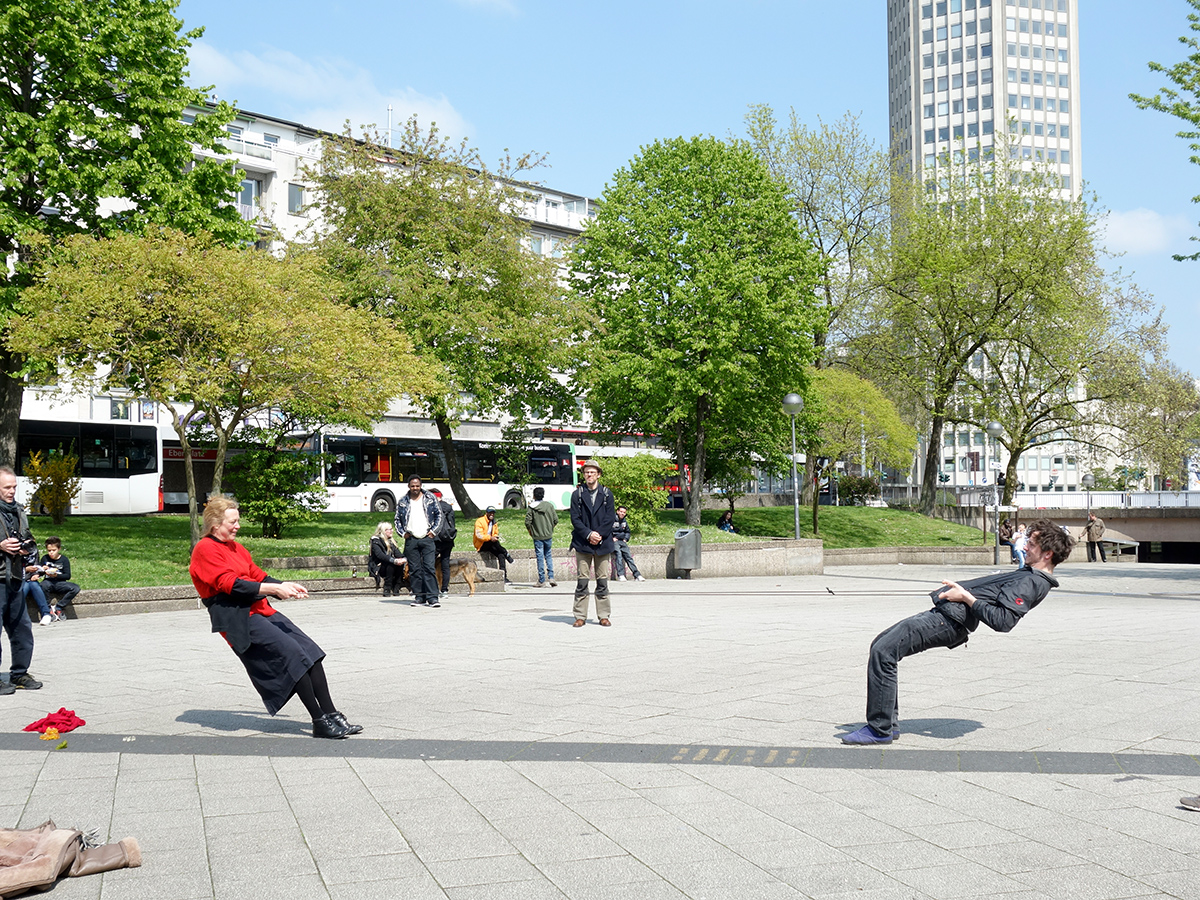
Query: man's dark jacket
x=588, y=517
x=1000, y=600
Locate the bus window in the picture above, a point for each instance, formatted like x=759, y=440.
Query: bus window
x=97, y=455
x=424, y=459
x=479, y=464
x=547, y=467
x=345, y=465
x=136, y=452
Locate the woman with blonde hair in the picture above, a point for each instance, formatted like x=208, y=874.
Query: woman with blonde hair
x=280, y=659
x=386, y=561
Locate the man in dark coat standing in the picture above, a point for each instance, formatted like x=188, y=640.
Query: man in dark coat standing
x=1094, y=531
x=593, y=513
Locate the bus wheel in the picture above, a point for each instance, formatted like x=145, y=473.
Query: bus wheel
x=514, y=499
x=383, y=502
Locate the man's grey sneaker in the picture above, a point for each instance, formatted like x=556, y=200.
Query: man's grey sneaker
x=6, y=688
x=1192, y=803
x=26, y=681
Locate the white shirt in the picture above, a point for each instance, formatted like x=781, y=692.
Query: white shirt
x=418, y=522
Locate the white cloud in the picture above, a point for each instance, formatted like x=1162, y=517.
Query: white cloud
x=322, y=92
x=1144, y=232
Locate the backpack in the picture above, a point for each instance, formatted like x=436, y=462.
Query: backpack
x=447, y=528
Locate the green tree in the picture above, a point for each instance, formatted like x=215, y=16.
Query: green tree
x=637, y=483
x=211, y=332
x=278, y=488
x=702, y=287
x=92, y=140
x=846, y=411
x=984, y=251
x=1159, y=422
x=839, y=185
x=430, y=237
x=1183, y=100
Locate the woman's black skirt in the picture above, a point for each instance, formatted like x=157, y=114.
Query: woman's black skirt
x=279, y=656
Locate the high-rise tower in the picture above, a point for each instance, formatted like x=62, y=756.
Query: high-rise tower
x=961, y=71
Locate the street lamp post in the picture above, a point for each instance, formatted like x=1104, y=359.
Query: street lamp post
x=793, y=404
x=1088, y=480
x=994, y=430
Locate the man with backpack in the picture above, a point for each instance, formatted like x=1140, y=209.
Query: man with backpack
x=443, y=541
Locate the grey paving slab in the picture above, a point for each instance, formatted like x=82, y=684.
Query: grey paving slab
x=691, y=750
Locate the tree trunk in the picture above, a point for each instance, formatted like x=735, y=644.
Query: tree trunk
x=696, y=495
x=933, y=454
x=12, y=386
x=808, y=485
x=816, y=497
x=465, y=503
x=218, y=481
x=1010, y=480
x=190, y=473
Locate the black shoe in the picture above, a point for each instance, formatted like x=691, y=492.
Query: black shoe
x=387, y=593
x=6, y=688
x=434, y=604
x=26, y=681
x=510, y=559
x=329, y=727
x=341, y=720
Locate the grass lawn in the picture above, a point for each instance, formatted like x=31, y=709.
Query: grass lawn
x=125, y=551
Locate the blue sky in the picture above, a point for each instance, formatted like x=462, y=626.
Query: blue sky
x=588, y=83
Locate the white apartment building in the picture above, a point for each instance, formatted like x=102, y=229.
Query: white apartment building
x=275, y=193
x=960, y=72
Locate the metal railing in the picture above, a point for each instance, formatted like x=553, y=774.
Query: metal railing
x=1084, y=500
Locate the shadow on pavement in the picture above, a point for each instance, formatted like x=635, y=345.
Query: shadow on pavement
x=566, y=620
x=943, y=729
x=237, y=720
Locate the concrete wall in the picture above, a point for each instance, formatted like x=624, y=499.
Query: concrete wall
x=911, y=556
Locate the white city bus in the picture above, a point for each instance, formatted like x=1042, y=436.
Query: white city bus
x=368, y=472
x=118, y=463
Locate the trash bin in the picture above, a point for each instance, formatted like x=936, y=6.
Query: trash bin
x=687, y=549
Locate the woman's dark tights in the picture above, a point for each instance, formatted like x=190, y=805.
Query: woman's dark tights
x=313, y=691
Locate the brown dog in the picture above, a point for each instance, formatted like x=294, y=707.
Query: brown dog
x=464, y=567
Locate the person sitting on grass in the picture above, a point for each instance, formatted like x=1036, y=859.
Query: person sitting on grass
x=725, y=523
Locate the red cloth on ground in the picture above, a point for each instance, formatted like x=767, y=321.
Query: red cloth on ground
x=64, y=720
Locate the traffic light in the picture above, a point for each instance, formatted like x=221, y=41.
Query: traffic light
x=1001, y=479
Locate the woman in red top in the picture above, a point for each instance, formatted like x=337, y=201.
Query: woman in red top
x=280, y=659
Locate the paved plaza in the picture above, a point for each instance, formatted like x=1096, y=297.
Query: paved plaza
x=690, y=751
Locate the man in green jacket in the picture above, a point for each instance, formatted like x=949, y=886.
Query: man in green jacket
x=540, y=521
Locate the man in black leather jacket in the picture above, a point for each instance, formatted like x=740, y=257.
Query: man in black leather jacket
x=999, y=601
